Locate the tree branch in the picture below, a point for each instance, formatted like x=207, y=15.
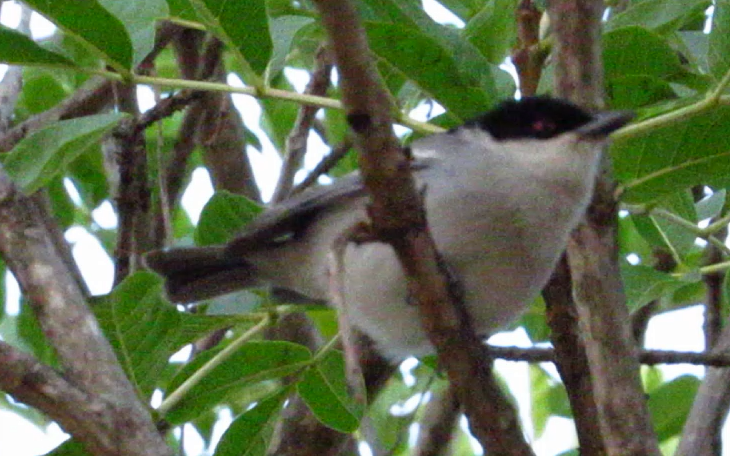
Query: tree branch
x=86, y=357
x=649, y=357
x=221, y=134
x=570, y=358
x=296, y=142
x=398, y=219
x=593, y=254
x=710, y=407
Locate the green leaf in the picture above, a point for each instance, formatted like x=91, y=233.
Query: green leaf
x=182, y=9
x=718, y=55
x=18, y=49
x=678, y=239
x=93, y=24
x=42, y=90
x=492, y=30
x=46, y=153
x=644, y=284
x=223, y=217
x=139, y=18
x=283, y=31
x=637, y=51
x=388, y=427
x=635, y=91
x=29, y=331
x=250, y=432
x=145, y=329
x=70, y=447
x=662, y=16
x=692, y=151
x=670, y=404
x=464, y=9
x=325, y=391
x=465, y=88
x=253, y=362
x=242, y=25
x=548, y=399
x=63, y=208
x=88, y=175
x=140, y=324
x=712, y=205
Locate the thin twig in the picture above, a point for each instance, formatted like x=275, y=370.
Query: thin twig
x=324, y=166
x=648, y=357
x=296, y=142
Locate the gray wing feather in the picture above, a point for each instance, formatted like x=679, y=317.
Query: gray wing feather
x=284, y=220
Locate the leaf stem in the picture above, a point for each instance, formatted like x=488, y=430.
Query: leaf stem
x=712, y=99
x=328, y=347
x=703, y=233
x=176, y=396
x=264, y=92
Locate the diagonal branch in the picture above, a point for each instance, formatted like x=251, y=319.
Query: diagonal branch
x=593, y=254
x=296, y=143
x=85, y=356
x=398, y=219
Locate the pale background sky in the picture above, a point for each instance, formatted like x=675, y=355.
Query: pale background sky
x=679, y=330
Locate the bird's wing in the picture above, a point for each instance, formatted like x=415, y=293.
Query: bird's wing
x=283, y=221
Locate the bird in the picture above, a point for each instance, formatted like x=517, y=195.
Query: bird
x=502, y=192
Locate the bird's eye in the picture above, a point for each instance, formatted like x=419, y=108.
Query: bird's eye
x=543, y=128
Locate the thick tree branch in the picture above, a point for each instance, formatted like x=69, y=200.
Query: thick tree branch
x=10, y=89
x=133, y=194
x=592, y=251
x=570, y=358
x=221, y=133
x=709, y=410
x=90, y=98
x=398, y=219
x=85, y=356
x=527, y=56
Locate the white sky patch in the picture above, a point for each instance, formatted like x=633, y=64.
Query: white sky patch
x=267, y=164
x=73, y=193
x=24, y=438
x=145, y=98
x=440, y=14
x=12, y=294
x=105, y=216
x=197, y=194
x=679, y=330
x=96, y=267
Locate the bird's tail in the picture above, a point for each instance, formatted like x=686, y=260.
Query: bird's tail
x=194, y=274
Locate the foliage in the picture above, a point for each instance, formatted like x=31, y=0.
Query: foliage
x=672, y=168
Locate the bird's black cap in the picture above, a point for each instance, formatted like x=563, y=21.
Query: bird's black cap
x=541, y=118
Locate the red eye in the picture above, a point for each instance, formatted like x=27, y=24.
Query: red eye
x=543, y=126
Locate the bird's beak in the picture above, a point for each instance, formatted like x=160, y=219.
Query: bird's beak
x=604, y=123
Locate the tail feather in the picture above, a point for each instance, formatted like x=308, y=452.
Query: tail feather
x=194, y=274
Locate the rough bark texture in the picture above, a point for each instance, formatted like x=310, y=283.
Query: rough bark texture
x=593, y=254
x=90, y=369
x=398, y=219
